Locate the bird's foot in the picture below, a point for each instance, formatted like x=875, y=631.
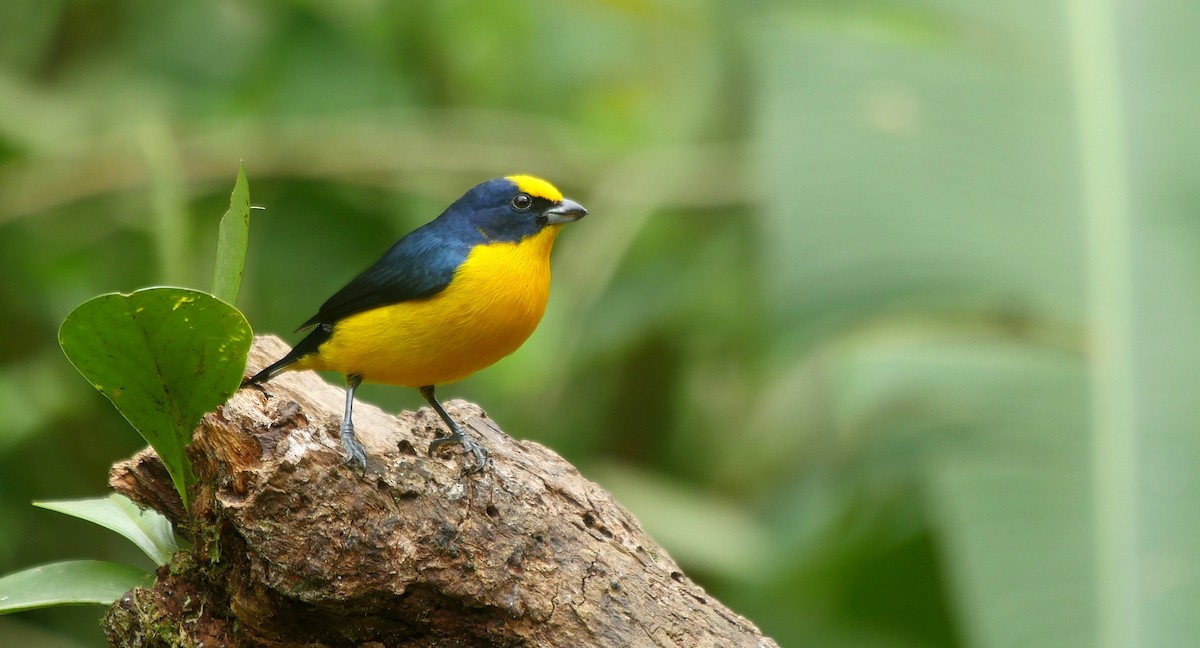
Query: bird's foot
x=356, y=453
x=478, y=452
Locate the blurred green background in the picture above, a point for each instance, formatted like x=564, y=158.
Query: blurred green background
x=886, y=321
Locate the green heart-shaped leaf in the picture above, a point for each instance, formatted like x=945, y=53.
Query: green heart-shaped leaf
x=164, y=357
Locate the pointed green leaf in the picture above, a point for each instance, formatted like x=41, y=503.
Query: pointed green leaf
x=232, y=238
x=164, y=357
x=149, y=530
x=73, y=582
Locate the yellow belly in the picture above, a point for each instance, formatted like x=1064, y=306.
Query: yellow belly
x=494, y=303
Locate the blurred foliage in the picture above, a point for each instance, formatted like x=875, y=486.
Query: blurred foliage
x=885, y=320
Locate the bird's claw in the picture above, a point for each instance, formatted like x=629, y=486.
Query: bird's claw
x=356, y=453
x=478, y=452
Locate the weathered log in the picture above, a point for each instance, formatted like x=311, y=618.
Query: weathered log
x=293, y=548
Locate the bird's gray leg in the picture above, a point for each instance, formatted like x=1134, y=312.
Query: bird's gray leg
x=356, y=453
x=456, y=434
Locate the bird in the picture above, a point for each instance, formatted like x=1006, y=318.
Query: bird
x=448, y=299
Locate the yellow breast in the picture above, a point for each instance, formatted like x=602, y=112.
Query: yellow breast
x=494, y=303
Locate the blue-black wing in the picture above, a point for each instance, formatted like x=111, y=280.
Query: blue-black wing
x=419, y=265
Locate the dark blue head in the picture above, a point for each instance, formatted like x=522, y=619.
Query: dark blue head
x=510, y=209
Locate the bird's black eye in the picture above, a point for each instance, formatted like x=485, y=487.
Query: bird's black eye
x=522, y=202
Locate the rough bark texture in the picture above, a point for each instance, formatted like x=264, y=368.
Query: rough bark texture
x=291, y=548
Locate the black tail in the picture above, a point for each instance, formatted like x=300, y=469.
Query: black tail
x=272, y=370
x=306, y=346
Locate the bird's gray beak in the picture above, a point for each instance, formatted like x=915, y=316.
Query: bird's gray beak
x=566, y=211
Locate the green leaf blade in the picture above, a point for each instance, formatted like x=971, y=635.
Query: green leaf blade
x=73, y=582
x=149, y=530
x=232, y=240
x=164, y=357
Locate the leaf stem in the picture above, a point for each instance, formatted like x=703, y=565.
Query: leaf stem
x=1095, y=69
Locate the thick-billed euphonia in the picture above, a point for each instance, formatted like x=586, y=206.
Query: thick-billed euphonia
x=446, y=300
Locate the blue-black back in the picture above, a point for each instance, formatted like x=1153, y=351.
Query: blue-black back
x=423, y=263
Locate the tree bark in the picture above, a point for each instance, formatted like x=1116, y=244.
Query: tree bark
x=293, y=548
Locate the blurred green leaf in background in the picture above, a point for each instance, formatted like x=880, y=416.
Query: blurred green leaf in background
x=885, y=323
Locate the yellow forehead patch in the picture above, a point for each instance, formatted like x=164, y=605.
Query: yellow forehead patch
x=536, y=187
